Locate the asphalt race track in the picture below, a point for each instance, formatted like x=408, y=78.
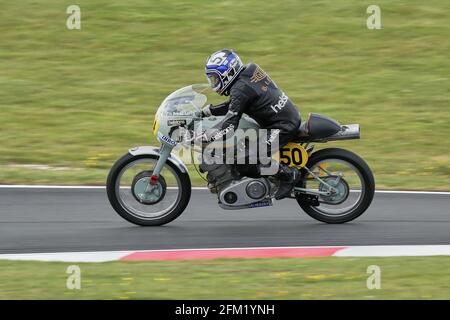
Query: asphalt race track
x=56, y=220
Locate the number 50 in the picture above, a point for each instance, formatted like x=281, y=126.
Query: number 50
x=291, y=156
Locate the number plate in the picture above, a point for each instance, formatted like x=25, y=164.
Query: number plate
x=292, y=155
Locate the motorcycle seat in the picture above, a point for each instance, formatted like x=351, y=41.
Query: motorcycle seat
x=317, y=127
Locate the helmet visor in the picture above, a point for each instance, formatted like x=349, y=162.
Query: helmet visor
x=214, y=80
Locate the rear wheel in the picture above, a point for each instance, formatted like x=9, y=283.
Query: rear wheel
x=351, y=178
x=139, y=202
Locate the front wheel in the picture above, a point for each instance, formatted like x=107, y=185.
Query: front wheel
x=138, y=202
x=351, y=178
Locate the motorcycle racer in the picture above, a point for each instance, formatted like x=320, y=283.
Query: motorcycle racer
x=252, y=92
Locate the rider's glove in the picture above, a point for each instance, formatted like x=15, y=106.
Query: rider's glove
x=206, y=111
x=202, y=137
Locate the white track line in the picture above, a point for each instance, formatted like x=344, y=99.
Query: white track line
x=25, y=186
x=413, y=192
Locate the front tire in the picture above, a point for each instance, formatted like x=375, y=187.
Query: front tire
x=113, y=189
x=367, y=182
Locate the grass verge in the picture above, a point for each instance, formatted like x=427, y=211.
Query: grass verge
x=310, y=278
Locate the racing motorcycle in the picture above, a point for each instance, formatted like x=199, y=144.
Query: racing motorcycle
x=150, y=186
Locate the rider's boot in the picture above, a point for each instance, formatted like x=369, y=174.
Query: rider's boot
x=288, y=177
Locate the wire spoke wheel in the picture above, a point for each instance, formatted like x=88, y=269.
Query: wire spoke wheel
x=344, y=182
x=140, y=202
x=163, y=200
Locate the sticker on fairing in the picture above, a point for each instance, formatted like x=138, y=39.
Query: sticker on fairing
x=166, y=139
x=176, y=122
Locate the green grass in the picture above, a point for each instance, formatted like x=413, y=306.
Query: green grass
x=310, y=278
x=79, y=99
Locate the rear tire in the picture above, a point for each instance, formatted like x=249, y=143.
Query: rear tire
x=366, y=175
x=185, y=190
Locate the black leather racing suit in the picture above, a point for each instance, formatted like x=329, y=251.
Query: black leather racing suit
x=254, y=93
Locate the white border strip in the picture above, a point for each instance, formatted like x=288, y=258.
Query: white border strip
x=346, y=251
x=394, y=251
x=99, y=256
x=26, y=186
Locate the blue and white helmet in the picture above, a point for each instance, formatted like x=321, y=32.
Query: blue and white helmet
x=222, y=67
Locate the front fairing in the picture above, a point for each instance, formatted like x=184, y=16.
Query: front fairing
x=180, y=108
x=184, y=106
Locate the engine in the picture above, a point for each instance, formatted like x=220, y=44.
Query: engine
x=234, y=191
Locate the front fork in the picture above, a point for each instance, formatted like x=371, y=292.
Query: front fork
x=164, y=153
